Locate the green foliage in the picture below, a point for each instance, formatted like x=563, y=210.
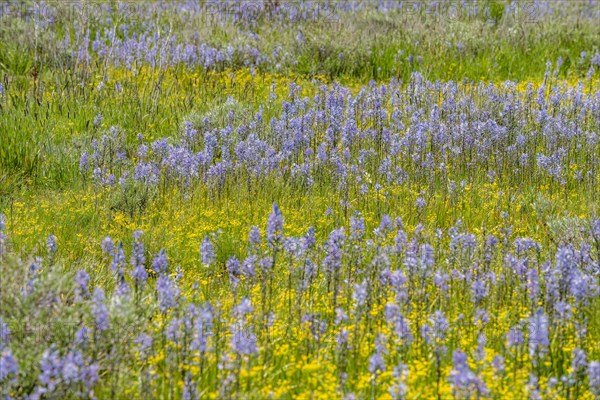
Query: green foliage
x=50, y=100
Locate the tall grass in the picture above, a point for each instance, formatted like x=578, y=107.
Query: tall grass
x=299, y=200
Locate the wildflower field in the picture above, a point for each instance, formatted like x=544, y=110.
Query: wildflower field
x=300, y=200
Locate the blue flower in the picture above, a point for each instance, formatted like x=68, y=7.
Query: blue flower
x=168, y=292
x=51, y=244
x=594, y=377
x=243, y=341
x=275, y=227
x=538, y=333
x=84, y=162
x=99, y=310
x=8, y=365
x=254, y=236
x=462, y=378
x=82, y=278
x=207, y=251
x=160, y=264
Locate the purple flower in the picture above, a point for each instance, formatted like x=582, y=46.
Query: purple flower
x=8, y=365
x=400, y=324
x=515, y=337
x=441, y=280
x=98, y=120
x=595, y=229
x=144, y=342
x=189, y=388
x=538, y=333
x=72, y=369
x=173, y=333
x=51, y=244
x=343, y=338
x=71, y=364
x=479, y=290
x=420, y=202
x=243, y=308
x=140, y=275
x=89, y=375
x=481, y=342
x=99, y=310
x=254, y=237
x=377, y=361
x=333, y=250
x=463, y=380
x=533, y=282
x=122, y=290
x=107, y=245
x=308, y=240
x=400, y=241
x=275, y=227
x=360, y=293
x=243, y=341
x=234, y=270
x=579, y=361
x=51, y=369
x=596, y=59
x=203, y=328
x=481, y=317
x=84, y=162
x=32, y=277
x=207, y=252
x=357, y=227
x=427, y=255
x=385, y=225
x=399, y=390
x=317, y=326
x=248, y=266
x=189, y=133
x=118, y=260
x=4, y=334
x=168, y=292
x=82, y=278
x=563, y=310
x=137, y=252
x=435, y=330
x=498, y=364
x=160, y=264
x=594, y=377
x=81, y=336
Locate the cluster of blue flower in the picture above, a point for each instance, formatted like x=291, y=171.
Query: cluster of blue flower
x=357, y=271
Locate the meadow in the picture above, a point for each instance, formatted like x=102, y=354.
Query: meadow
x=300, y=200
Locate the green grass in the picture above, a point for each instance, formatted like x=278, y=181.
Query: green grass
x=51, y=100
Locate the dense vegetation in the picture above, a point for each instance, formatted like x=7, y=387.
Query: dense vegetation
x=299, y=200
